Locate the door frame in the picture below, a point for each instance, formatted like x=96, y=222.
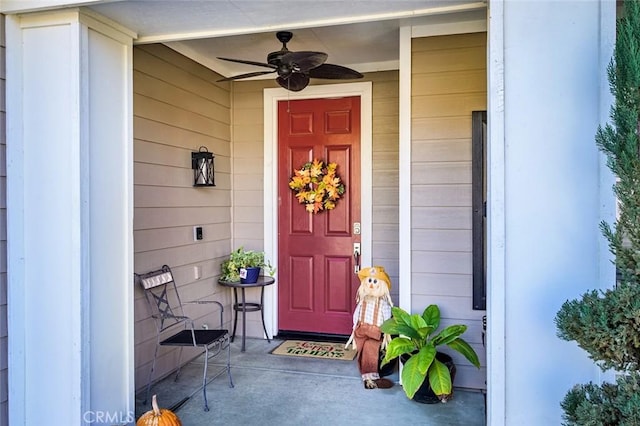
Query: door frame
x=270, y=189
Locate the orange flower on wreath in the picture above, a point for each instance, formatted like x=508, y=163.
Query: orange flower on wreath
x=317, y=185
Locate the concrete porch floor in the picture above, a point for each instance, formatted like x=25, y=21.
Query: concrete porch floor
x=272, y=389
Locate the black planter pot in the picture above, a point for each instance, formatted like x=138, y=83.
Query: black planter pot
x=425, y=394
x=387, y=369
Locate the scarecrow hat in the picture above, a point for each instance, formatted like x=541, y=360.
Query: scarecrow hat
x=375, y=272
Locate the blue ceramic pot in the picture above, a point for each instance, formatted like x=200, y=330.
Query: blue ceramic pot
x=252, y=276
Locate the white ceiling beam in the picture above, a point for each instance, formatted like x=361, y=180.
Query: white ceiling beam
x=224, y=32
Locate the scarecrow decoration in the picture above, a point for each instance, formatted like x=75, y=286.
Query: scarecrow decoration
x=372, y=309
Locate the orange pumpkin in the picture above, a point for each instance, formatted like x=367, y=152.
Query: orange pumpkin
x=158, y=416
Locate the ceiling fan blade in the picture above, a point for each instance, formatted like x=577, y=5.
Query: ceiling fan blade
x=242, y=61
x=336, y=72
x=304, y=60
x=247, y=75
x=294, y=82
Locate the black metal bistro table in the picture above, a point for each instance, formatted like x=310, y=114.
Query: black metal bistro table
x=245, y=306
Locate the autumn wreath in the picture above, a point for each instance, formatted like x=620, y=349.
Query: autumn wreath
x=316, y=185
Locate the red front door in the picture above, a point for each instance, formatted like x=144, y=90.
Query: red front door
x=316, y=278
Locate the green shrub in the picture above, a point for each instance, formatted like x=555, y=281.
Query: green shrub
x=606, y=325
x=604, y=405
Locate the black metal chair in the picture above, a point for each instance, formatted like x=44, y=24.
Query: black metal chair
x=167, y=310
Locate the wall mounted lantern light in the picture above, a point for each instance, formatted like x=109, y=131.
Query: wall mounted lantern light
x=202, y=165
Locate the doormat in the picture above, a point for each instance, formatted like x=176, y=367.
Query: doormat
x=305, y=348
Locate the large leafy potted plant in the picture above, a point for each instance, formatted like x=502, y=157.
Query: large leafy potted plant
x=240, y=264
x=417, y=339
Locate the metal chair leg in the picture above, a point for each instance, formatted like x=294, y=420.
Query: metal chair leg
x=235, y=309
x=179, y=364
x=229, y=364
x=204, y=378
x=153, y=366
x=264, y=327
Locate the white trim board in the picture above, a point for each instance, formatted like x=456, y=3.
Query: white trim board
x=404, y=172
x=496, y=232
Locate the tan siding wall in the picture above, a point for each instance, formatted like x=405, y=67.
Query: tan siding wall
x=385, y=174
x=247, y=129
x=448, y=83
x=3, y=235
x=178, y=107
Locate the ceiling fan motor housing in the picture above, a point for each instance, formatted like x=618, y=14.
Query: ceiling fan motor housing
x=284, y=36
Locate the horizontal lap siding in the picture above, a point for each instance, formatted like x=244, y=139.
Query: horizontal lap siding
x=178, y=107
x=448, y=83
x=247, y=128
x=385, y=175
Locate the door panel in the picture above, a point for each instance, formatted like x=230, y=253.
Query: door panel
x=316, y=278
x=339, y=221
x=338, y=296
x=301, y=295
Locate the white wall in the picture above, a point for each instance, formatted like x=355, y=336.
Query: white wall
x=545, y=202
x=69, y=185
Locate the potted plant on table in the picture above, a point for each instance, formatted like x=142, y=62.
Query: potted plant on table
x=416, y=345
x=244, y=266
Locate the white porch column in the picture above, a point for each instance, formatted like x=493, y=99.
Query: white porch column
x=70, y=219
x=548, y=190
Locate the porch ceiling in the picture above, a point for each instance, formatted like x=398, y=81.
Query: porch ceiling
x=363, y=34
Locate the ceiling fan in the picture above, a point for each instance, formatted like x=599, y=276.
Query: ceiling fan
x=294, y=69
